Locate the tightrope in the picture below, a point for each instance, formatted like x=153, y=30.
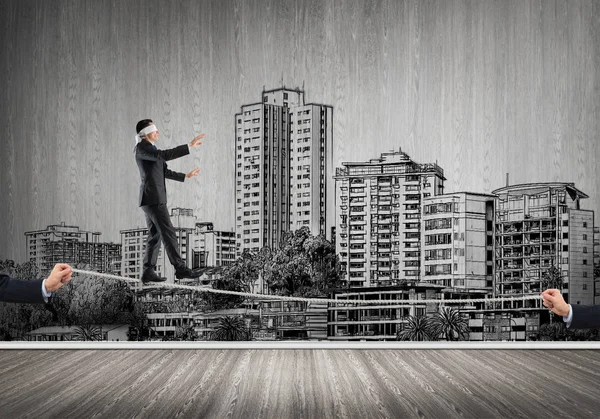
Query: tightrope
x=314, y=300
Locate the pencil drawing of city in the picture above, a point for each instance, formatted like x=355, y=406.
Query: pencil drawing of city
x=392, y=185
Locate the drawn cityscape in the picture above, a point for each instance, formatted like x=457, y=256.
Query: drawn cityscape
x=398, y=235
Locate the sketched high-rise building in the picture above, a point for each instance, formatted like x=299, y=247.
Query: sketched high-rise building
x=540, y=226
x=378, y=231
x=61, y=243
x=458, y=240
x=283, y=168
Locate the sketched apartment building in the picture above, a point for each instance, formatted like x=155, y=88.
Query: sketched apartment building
x=212, y=248
x=61, y=243
x=283, y=169
x=378, y=231
x=379, y=321
x=537, y=226
x=458, y=251
x=458, y=241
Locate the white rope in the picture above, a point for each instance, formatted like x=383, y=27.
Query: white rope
x=316, y=300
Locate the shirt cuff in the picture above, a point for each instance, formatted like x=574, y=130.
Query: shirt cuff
x=569, y=318
x=45, y=292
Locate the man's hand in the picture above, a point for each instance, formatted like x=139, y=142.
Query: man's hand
x=196, y=141
x=555, y=302
x=60, y=275
x=193, y=173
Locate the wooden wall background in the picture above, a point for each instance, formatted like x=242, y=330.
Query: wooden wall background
x=483, y=87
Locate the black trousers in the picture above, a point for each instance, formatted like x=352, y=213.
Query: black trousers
x=160, y=227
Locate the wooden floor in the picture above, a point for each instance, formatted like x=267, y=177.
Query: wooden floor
x=299, y=383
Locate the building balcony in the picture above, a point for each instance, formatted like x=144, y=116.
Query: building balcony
x=513, y=243
x=355, y=183
x=356, y=202
x=512, y=267
x=475, y=322
x=513, y=255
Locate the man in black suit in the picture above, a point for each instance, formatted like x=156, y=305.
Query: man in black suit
x=152, y=164
x=35, y=291
x=575, y=316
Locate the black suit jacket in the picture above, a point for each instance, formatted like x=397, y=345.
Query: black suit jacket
x=585, y=317
x=153, y=171
x=17, y=291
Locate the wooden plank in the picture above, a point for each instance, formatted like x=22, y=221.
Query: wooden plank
x=300, y=383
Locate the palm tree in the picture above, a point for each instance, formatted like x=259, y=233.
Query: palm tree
x=552, y=278
x=88, y=332
x=231, y=328
x=418, y=329
x=448, y=322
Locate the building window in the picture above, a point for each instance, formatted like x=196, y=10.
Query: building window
x=584, y=224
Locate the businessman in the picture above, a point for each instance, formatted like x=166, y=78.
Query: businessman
x=35, y=291
x=152, y=164
x=575, y=316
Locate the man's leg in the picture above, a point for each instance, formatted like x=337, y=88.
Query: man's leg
x=166, y=230
x=152, y=247
x=153, y=243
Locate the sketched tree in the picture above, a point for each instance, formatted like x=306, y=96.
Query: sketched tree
x=87, y=332
x=449, y=323
x=552, y=278
x=231, y=328
x=417, y=329
x=185, y=333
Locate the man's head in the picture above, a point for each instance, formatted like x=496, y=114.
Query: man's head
x=144, y=123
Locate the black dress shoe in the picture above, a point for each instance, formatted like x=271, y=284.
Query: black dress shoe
x=151, y=276
x=187, y=273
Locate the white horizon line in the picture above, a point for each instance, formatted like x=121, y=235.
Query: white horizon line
x=145, y=345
